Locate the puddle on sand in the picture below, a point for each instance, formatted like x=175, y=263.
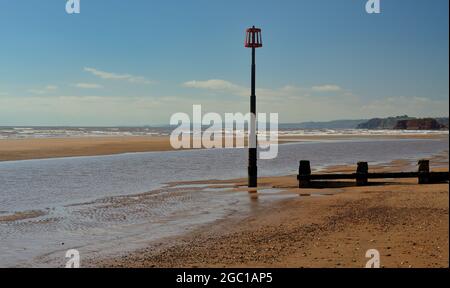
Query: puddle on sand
x=272, y=194
x=110, y=224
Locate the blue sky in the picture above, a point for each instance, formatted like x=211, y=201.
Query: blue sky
x=137, y=62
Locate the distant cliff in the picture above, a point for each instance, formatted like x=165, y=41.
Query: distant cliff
x=383, y=123
x=375, y=123
x=419, y=124
x=443, y=121
x=405, y=123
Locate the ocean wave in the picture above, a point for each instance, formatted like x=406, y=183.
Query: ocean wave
x=74, y=132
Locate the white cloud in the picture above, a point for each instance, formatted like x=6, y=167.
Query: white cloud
x=88, y=85
x=83, y=110
x=218, y=85
x=293, y=103
x=326, y=102
x=326, y=88
x=213, y=84
x=44, y=90
x=114, y=76
x=229, y=87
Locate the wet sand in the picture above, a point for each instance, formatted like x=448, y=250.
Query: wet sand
x=21, y=149
x=406, y=222
x=42, y=148
x=21, y=216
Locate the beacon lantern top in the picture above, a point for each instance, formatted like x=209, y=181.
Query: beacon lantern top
x=253, y=38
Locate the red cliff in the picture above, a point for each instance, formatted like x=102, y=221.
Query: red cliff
x=419, y=124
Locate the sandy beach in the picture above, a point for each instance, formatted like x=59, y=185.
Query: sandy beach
x=42, y=148
x=330, y=227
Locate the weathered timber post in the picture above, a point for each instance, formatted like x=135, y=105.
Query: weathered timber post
x=304, y=174
x=361, y=174
x=424, y=171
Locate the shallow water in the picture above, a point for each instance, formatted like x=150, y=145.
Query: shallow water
x=109, y=204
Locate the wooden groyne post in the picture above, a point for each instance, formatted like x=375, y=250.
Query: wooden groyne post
x=362, y=172
x=362, y=175
x=304, y=174
x=424, y=171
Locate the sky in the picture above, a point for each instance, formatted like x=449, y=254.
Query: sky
x=138, y=62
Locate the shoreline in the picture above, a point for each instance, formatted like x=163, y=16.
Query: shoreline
x=395, y=217
x=46, y=148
